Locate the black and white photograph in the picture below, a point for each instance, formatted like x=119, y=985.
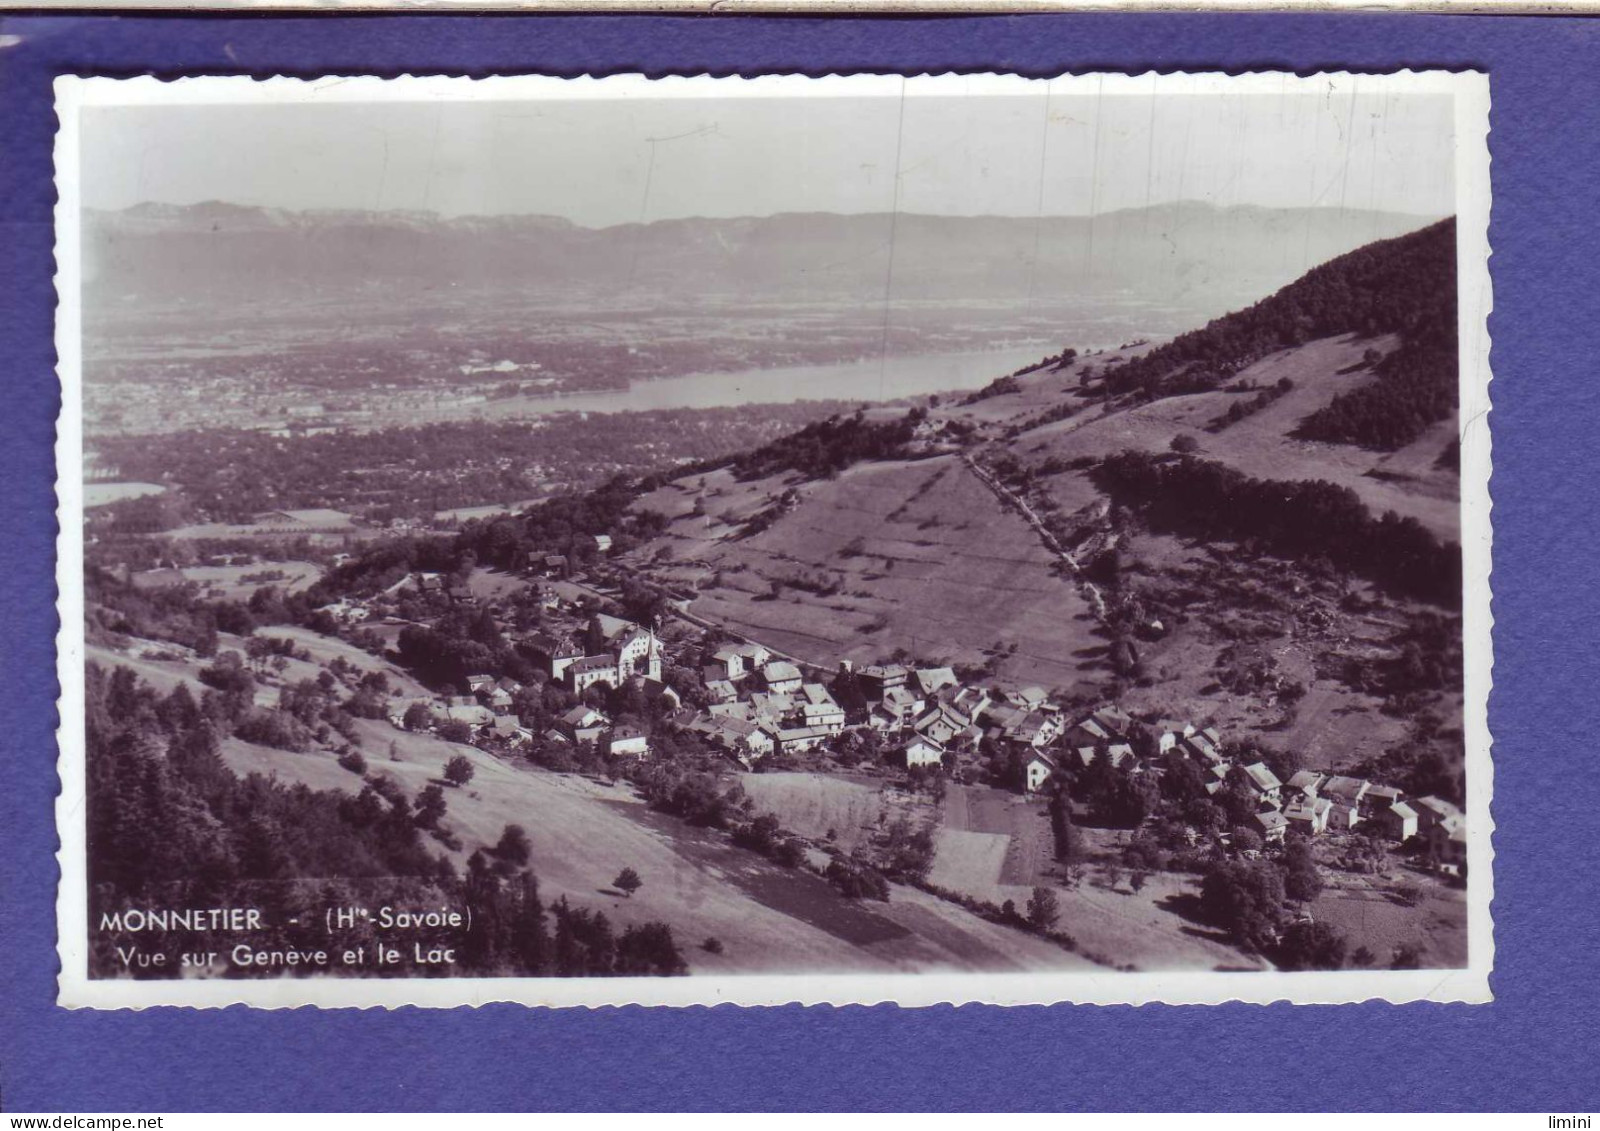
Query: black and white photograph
x=857, y=539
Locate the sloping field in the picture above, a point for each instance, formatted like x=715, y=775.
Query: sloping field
x=914, y=555
x=1372, y=920
x=813, y=805
x=970, y=862
x=1144, y=929
x=1260, y=445
x=1331, y=727
x=324, y=649
x=1036, y=391
x=997, y=846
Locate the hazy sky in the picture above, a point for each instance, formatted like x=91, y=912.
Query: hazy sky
x=602, y=162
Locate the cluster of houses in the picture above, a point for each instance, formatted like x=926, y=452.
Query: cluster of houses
x=1310, y=801
x=608, y=651
x=761, y=705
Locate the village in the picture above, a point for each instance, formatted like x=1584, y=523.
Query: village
x=764, y=711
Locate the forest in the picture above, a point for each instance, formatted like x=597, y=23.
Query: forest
x=1298, y=519
x=170, y=825
x=1404, y=286
x=823, y=449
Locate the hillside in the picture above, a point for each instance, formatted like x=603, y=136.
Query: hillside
x=1404, y=286
x=1007, y=546
x=888, y=555
x=1201, y=257
x=582, y=831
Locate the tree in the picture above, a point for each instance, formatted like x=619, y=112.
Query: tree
x=1301, y=880
x=1245, y=898
x=1311, y=946
x=627, y=882
x=1185, y=444
x=513, y=847
x=430, y=807
x=1043, y=909
x=1069, y=840
x=417, y=717
x=454, y=730
x=1245, y=840
x=458, y=771
x=1407, y=956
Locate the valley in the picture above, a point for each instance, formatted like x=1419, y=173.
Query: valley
x=1035, y=671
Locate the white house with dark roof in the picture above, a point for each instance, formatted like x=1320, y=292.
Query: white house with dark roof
x=1398, y=822
x=1114, y=719
x=628, y=741
x=1272, y=825
x=1170, y=732
x=1433, y=811
x=921, y=752
x=1090, y=731
x=1347, y=790
x=1203, y=750
x=1310, y=813
x=901, y=704
x=782, y=677
x=1037, y=769
x=729, y=663
x=585, y=673
x=931, y=681
x=1304, y=783
x=555, y=653
x=1263, y=782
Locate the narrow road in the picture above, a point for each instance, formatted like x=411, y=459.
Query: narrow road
x=1090, y=590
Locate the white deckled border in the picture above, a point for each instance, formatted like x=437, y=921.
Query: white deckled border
x=1471, y=93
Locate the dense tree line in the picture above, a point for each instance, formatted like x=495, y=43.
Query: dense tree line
x=1298, y=519
x=1416, y=386
x=1405, y=286
x=1241, y=409
x=827, y=447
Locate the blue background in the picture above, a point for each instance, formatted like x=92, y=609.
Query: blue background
x=1531, y=1050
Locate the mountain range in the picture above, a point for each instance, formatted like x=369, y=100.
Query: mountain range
x=1197, y=256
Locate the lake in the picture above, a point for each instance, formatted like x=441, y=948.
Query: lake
x=879, y=379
